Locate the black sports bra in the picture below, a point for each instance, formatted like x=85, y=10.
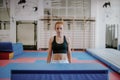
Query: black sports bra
x=59, y=48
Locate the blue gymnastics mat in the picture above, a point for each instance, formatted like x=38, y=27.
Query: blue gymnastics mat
x=108, y=56
x=85, y=71
x=77, y=55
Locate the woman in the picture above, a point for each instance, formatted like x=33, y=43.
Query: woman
x=59, y=46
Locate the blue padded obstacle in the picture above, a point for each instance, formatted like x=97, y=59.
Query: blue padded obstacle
x=60, y=72
x=108, y=56
x=6, y=50
x=6, y=47
x=17, y=48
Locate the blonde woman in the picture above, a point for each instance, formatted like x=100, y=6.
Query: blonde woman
x=59, y=46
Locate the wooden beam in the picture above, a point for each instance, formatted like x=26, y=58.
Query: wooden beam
x=92, y=20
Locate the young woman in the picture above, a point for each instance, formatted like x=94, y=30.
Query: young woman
x=59, y=46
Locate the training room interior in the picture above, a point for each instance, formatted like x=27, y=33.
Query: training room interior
x=93, y=27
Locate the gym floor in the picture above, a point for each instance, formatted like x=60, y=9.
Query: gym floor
x=32, y=57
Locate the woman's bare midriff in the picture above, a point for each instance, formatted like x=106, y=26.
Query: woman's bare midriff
x=59, y=56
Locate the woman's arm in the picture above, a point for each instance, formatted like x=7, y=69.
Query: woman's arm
x=49, y=51
x=69, y=50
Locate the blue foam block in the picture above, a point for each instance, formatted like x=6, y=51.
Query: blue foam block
x=17, y=48
x=60, y=72
x=6, y=47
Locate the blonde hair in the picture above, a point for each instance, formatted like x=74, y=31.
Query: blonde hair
x=59, y=22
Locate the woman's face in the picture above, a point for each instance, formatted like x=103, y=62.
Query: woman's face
x=59, y=28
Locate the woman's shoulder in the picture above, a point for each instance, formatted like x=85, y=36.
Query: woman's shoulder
x=67, y=39
x=52, y=38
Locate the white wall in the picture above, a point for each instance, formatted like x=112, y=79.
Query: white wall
x=4, y=35
x=40, y=25
x=4, y=16
x=18, y=13
x=12, y=22
x=97, y=11
x=104, y=16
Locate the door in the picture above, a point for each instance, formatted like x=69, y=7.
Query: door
x=26, y=34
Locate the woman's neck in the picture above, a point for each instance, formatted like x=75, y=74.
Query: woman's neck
x=59, y=35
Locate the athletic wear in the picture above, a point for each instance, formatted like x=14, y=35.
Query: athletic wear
x=59, y=61
x=59, y=48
